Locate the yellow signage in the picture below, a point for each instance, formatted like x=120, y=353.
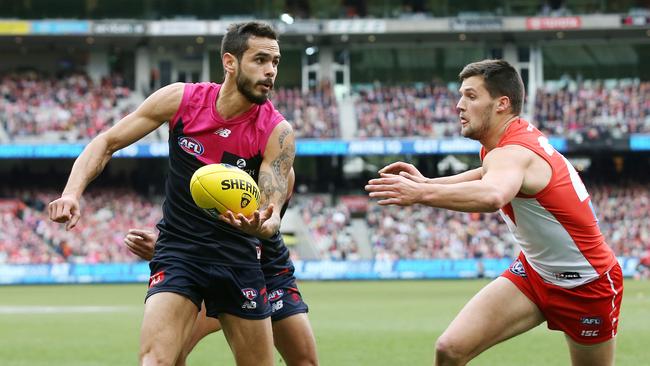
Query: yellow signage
x=14, y=27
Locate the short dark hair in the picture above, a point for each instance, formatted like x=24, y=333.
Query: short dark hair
x=500, y=78
x=235, y=41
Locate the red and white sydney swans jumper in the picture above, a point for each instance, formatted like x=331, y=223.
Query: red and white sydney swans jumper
x=557, y=228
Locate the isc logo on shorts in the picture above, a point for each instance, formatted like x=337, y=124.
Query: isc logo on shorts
x=156, y=279
x=590, y=333
x=591, y=322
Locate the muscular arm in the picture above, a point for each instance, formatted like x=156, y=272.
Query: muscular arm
x=411, y=172
x=274, y=171
x=502, y=173
x=470, y=175
x=503, y=176
x=153, y=112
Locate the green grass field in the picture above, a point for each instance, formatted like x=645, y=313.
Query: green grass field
x=356, y=323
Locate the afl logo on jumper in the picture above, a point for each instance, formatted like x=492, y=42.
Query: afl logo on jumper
x=190, y=145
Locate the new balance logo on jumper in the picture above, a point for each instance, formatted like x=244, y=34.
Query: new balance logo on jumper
x=223, y=132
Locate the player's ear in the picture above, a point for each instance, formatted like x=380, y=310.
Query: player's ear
x=229, y=62
x=503, y=104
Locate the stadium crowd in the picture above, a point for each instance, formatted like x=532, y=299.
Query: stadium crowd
x=422, y=232
x=585, y=110
x=68, y=108
x=28, y=236
x=416, y=232
x=313, y=114
x=73, y=108
x=593, y=109
x=407, y=110
x=329, y=226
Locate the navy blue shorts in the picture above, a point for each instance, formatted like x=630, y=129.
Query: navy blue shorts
x=237, y=291
x=284, y=297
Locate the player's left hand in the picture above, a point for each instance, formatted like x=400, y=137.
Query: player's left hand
x=393, y=189
x=141, y=243
x=259, y=224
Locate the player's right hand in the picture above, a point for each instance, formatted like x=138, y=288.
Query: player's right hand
x=405, y=170
x=65, y=210
x=141, y=243
x=258, y=224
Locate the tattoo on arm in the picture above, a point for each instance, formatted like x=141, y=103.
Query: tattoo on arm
x=267, y=188
x=274, y=184
x=283, y=136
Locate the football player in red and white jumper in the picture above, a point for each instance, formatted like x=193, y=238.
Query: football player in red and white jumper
x=566, y=274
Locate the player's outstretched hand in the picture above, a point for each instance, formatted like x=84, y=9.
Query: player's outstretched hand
x=392, y=189
x=65, y=210
x=406, y=170
x=141, y=243
x=258, y=224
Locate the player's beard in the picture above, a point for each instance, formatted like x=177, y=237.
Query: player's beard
x=246, y=86
x=477, y=131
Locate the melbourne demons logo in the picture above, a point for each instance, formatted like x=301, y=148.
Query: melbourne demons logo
x=249, y=293
x=190, y=145
x=156, y=278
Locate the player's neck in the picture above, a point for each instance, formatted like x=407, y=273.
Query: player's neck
x=493, y=137
x=231, y=103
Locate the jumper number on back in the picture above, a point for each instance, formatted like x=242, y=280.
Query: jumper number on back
x=578, y=186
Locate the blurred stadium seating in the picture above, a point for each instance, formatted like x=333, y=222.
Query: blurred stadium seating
x=36, y=108
x=393, y=232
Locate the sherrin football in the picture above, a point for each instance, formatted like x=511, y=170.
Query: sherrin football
x=217, y=188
